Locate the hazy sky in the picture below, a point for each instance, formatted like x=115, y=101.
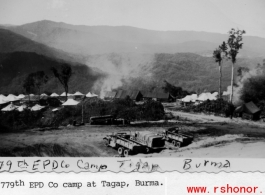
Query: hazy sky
x=198, y=15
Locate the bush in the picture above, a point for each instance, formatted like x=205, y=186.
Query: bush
x=253, y=89
x=152, y=110
x=119, y=108
x=15, y=120
x=219, y=107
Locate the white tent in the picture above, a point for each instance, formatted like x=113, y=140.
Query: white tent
x=21, y=108
x=194, y=97
x=31, y=94
x=78, y=93
x=20, y=96
x=54, y=95
x=10, y=107
x=11, y=98
x=2, y=97
x=37, y=107
x=91, y=95
x=44, y=94
x=186, y=99
x=203, y=97
x=64, y=94
x=70, y=102
x=2, y=101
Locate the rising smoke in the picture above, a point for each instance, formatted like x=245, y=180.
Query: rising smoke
x=241, y=79
x=118, y=67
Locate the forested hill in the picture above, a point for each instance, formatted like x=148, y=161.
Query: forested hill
x=14, y=67
x=12, y=42
x=187, y=70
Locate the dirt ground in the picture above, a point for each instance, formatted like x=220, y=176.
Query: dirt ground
x=213, y=137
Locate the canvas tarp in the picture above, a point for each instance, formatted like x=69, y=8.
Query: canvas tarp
x=70, y=102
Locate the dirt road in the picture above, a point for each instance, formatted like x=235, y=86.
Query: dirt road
x=212, y=138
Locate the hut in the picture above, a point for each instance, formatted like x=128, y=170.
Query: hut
x=135, y=95
x=248, y=111
x=158, y=96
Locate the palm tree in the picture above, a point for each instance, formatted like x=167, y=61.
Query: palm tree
x=218, y=56
x=234, y=43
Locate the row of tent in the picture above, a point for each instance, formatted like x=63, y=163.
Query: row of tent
x=12, y=107
x=13, y=98
x=89, y=94
x=37, y=107
x=139, y=95
x=202, y=97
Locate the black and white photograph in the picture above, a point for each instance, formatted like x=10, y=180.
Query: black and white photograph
x=132, y=78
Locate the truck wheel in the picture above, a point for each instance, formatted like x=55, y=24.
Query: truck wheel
x=176, y=144
x=147, y=150
x=126, y=152
x=120, y=150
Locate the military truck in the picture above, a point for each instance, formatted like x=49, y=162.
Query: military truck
x=150, y=140
x=177, y=137
x=123, y=143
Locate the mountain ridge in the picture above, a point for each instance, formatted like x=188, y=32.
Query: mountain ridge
x=107, y=39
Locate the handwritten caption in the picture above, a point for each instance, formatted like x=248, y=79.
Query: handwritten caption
x=114, y=165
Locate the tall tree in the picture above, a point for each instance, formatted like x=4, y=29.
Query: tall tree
x=34, y=80
x=235, y=44
x=40, y=78
x=28, y=84
x=219, y=54
x=63, y=76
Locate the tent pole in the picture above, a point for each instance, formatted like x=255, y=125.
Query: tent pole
x=82, y=114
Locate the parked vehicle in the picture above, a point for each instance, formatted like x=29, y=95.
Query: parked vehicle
x=101, y=120
x=123, y=143
x=107, y=120
x=176, y=137
x=150, y=140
